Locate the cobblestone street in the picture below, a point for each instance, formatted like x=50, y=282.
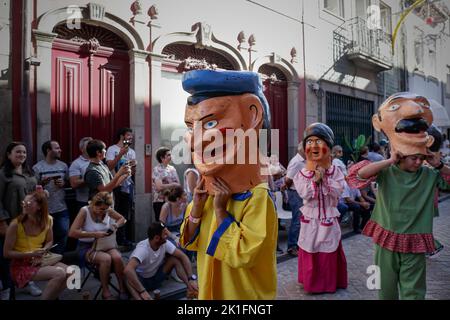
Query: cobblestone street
x=359, y=252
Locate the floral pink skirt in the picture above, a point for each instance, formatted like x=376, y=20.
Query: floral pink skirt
x=22, y=271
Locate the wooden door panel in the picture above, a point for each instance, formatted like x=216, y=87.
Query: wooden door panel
x=67, y=101
x=90, y=96
x=276, y=94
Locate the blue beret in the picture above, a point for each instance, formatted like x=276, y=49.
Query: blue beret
x=206, y=84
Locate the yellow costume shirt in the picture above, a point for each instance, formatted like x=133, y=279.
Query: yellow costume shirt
x=237, y=260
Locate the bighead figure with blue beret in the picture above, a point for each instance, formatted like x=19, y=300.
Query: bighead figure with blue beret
x=322, y=266
x=231, y=222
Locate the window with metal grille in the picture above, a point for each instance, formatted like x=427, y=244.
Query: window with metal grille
x=348, y=117
x=334, y=6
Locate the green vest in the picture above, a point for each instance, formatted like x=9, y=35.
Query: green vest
x=405, y=200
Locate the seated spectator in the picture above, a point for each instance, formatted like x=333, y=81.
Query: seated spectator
x=343, y=210
x=93, y=222
x=28, y=238
x=384, y=145
x=172, y=212
x=191, y=179
x=360, y=208
x=337, y=152
x=172, y=215
x=445, y=147
x=375, y=153
x=363, y=154
x=277, y=171
x=342, y=207
x=369, y=195
x=151, y=262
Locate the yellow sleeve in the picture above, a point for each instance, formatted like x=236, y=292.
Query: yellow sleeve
x=190, y=244
x=238, y=243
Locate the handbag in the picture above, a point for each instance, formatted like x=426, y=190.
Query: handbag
x=50, y=258
x=106, y=243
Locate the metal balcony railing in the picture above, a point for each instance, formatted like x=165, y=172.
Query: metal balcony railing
x=366, y=47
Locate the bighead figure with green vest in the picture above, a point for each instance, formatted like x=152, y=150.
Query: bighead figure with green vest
x=401, y=224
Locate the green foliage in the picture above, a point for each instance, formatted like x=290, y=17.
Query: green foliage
x=355, y=148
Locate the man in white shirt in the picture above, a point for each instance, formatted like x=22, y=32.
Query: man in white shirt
x=295, y=202
x=148, y=266
x=359, y=206
x=116, y=156
x=76, y=174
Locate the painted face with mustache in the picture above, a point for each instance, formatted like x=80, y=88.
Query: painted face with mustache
x=404, y=118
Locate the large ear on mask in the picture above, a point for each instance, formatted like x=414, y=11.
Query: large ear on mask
x=376, y=122
x=430, y=141
x=250, y=103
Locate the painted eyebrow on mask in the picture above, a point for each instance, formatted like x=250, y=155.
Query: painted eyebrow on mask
x=201, y=119
x=415, y=98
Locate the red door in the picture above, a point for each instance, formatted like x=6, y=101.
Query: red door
x=89, y=94
x=276, y=94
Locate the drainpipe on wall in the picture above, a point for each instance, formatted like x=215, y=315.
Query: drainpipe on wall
x=302, y=98
x=25, y=101
x=405, y=82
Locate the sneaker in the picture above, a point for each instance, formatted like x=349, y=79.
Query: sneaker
x=4, y=294
x=175, y=277
x=346, y=219
x=436, y=253
x=33, y=289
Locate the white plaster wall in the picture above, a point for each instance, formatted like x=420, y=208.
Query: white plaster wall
x=424, y=80
x=273, y=31
x=319, y=60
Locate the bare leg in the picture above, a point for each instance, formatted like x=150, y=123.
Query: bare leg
x=173, y=262
x=103, y=261
x=118, y=267
x=133, y=292
x=56, y=276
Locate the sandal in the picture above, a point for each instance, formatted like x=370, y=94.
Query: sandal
x=110, y=297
